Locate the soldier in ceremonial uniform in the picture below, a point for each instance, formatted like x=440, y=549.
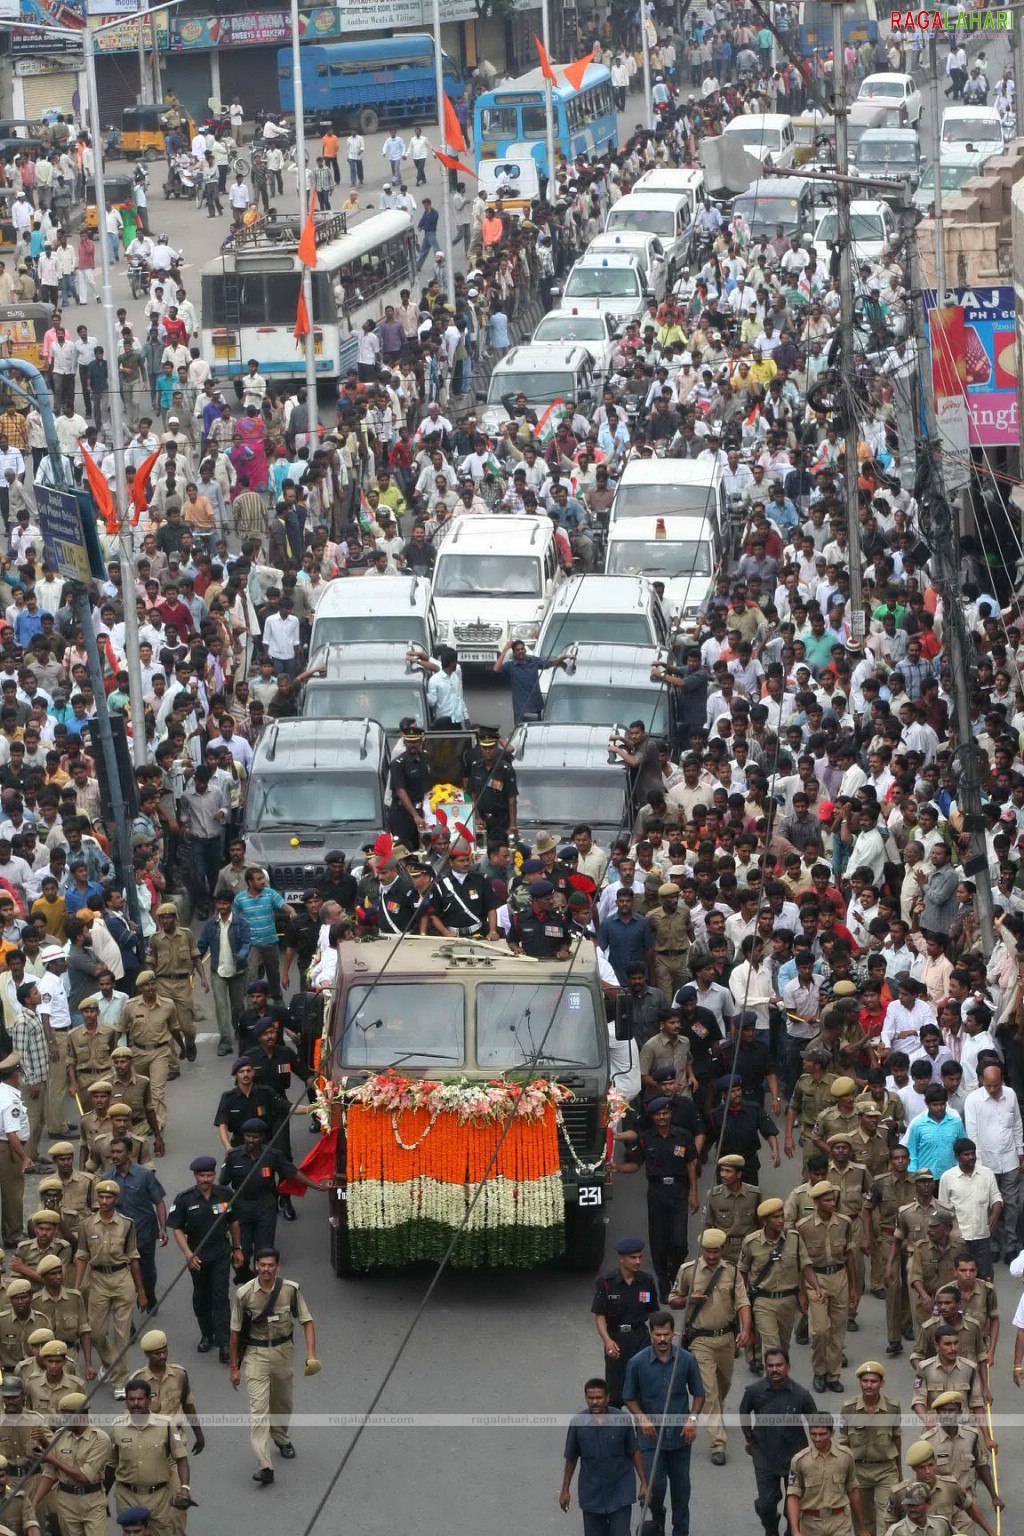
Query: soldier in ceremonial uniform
x=259, y=1168
x=853, y=1183
x=772, y=1261
x=264, y=1313
x=17, y=1320
x=539, y=931
x=467, y=905
x=717, y=1322
x=831, y=1283
x=811, y=1097
x=948, y=1496
x=670, y=1161
x=208, y=1234
x=623, y=1301
x=153, y=1030
x=889, y=1192
x=672, y=927
x=73, y=1471
x=822, y=1493
x=247, y=1100
x=173, y=955
x=870, y=1429
x=737, y=1125
x=410, y=781
x=732, y=1204
x=108, y=1254
x=394, y=905
x=65, y=1310
x=490, y=780
x=147, y=1452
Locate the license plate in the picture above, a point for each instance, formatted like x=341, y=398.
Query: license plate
x=477, y=655
x=291, y=896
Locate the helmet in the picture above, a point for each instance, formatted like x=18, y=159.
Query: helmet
x=162, y=239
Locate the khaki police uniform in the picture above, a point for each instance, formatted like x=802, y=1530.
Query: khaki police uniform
x=17, y=1512
x=711, y=1336
x=981, y=1303
x=173, y=956
x=947, y=1506
x=934, y=1525
x=149, y=1034
x=136, y=1092
x=798, y=1203
x=810, y=1099
x=671, y=947
x=101, y=1141
x=972, y=1340
x=14, y=1332
x=44, y=1395
x=853, y=1184
x=144, y=1457
x=22, y=1435
x=832, y=1121
x=89, y=1052
x=773, y=1272
x=934, y=1378
x=269, y=1359
x=822, y=1484
x=111, y=1250
x=961, y=1455
x=872, y=1152
x=66, y=1314
x=30, y=1250
x=912, y=1224
x=76, y=1198
x=888, y=1194
x=875, y=1446
x=81, y=1508
x=828, y=1244
x=735, y=1214
x=932, y=1266
x=172, y=1397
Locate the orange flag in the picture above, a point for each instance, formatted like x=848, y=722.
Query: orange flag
x=453, y=135
x=142, y=474
x=306, y=250
x=100, y=490
x=454, y=165
x=301, y=318
x=545, y=62
x=574, y=72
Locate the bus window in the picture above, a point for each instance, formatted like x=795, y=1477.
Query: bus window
x=322, y=71
x=534, y=123
x=499, y=122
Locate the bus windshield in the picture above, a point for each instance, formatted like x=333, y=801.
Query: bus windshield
x=404, y=1023
x=283, y=801
x=487, y=576
x=518, y=1021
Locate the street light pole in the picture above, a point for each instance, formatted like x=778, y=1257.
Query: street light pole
x=646, y=51
x=300, y=176
x=446, y=200
x=145, y=80
x=549, y=111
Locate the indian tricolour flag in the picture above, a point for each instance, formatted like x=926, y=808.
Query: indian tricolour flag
x=547, y=425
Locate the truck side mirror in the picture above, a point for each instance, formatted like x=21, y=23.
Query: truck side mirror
x=623, y=1026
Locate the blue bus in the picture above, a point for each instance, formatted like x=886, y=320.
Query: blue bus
x=509, y=121
x=364, y=84
x=860, y=22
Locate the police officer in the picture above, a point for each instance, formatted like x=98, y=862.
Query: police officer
x=947, y=1497
x=717, y=1323
x=247, y=1100
x=263, y=1316
x=811, y=1097
x=931, y=1263
x=45, y=1239
x=65, y=1310
x=410, y=781
x=257, y=1011
x=830, y=1282
x=949, y=1314
x=134, y=1089
x=151, y=1026
x=148, y=1456
x=274, y=1060
x=948, y=1371
x=23, y=1433
x=738, y=1126
x=208, y=1234
x=840, y=1114
x=771, y=1261
x=853, y=1183
x=44, y=1392
x=75, y=1187
x=73, y=1471
x=108, y=1251
x=623, y=1302
x=17, y=1320
x=259, y=1168
x=685, y=1114
x=538, y=931
x=467, y=905
x=959, y=1448
x=16, y=1506
x=889, y=1192
x=172, y=1397
x=670, y=1160
x=771, y=1417
x=870, y=1429
x=173, y=955
x=732, y=1204
x=134, y=1521
x=822, y=1493
x=919, y=1517
x=672, y=927
x=490, y=780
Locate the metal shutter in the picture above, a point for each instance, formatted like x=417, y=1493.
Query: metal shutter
x=53, y=92
x=251, y=75
x=117, y=81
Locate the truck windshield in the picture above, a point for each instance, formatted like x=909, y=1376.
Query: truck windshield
x=562, y=801
x=365, y=629
x=514, y=1024
x=424, y=1026
x=282, y=801
x=487, y=576
x=383, y=702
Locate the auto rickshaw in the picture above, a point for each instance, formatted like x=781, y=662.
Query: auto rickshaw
x=23, y=328
x=119, y=190
x=144, y=129
x=8, y=234
x=812, y=131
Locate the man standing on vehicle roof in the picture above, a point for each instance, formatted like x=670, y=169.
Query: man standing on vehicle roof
x=410, y=784
x=490, y=779
x=523, y=672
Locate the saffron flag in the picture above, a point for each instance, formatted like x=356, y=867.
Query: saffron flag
x=139, y=497
x=301, y=318
x=100, y=490
x=454, y=165
x=453, y=134
x=545, y=62
x=574, y=72
x=306, y=249
x=320, y=1163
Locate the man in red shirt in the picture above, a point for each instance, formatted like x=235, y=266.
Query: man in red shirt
x=175, y=330
x=173, y=611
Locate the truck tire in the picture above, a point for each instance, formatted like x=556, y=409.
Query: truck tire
x=369, y=122
x=585, y=1235
x=341, y=1250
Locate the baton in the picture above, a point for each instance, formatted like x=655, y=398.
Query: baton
x=995, y=1469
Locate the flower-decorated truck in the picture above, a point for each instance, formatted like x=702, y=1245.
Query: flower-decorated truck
x=461, y=1084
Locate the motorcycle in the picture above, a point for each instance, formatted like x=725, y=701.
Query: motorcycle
x=182, y=176
x=138, y=277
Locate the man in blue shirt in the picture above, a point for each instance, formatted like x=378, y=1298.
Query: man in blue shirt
x=142, y=1200
x=929, y=1139
x=427, y=227
x=603, y=1442
x=626, y=938
x=665, y=1379
x=523, y=672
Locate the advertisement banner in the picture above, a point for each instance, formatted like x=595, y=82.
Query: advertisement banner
x=986, y=370
x=946, y=336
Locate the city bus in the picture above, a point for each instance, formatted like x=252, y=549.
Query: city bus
x=509, y=121
x=860, y=21
x=368, y=82
x=249, y=294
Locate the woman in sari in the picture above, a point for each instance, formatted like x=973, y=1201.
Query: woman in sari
x=248, y=449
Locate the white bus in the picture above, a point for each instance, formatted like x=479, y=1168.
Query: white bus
x=250, y=293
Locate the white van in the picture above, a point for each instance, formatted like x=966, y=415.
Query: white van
x=766, y=135
x=544, y=372
x=686, y=180
x=872, y=225
x=980, y=126
x=669, y=215
x=648, y=250
x=493, y=581
x=680, y=552
x=670, y=488
x=385, y=609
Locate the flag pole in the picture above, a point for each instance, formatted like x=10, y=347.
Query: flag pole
x=307, y=273
x=446, y=198
x=549, y=115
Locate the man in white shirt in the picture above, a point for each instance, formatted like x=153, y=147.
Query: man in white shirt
x=238, y=196
x=973, y=1193
x=55, y=1013
x=281, y=639
x=977, y=1038
x=992, y=1120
